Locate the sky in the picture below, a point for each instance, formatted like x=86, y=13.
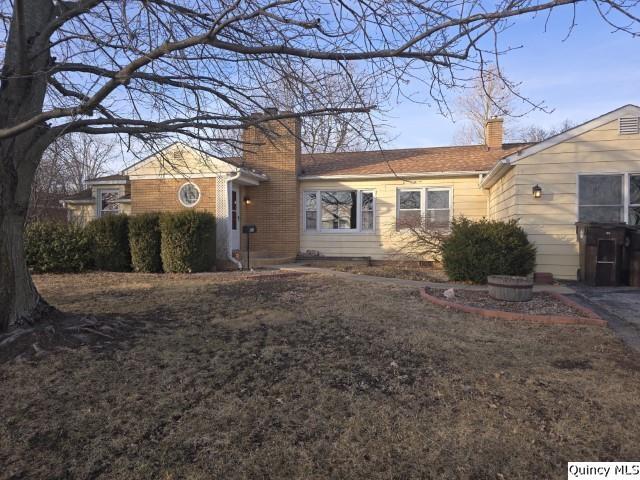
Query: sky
x=590, y=73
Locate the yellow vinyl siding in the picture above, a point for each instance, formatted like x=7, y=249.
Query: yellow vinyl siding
x=81, y=213
x=550, y=220
x=186, y=163
x=502, y=200
x=385, y=242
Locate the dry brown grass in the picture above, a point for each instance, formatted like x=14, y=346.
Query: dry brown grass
x=310, y=377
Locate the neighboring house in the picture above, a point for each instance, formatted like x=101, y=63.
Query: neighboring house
x=353, y=204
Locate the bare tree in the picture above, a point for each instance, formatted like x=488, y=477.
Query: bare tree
x=536, y=133
x=422, y=239
x=49, y=184
x=197, y=69
x=84, y=157
x=65, y=167
x=348, y=86
x=490, y=95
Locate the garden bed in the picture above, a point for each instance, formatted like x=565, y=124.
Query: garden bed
x=401, y=270
x=544, y=307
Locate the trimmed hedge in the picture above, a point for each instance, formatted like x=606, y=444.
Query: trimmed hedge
x=57, y=247
x=110, y=242
x=144, y=242
x=188, y=241
x=477, y=249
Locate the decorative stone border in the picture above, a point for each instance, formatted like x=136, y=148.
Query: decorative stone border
x=590, y=317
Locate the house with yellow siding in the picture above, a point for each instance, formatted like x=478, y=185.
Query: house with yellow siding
x=355, y=204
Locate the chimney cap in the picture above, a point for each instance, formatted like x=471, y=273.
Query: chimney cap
x=271, y=110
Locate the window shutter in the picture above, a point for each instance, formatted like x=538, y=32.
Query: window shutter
x=629, y=125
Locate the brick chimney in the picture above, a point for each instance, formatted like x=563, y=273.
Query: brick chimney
x=493, y=133
x=274, y=148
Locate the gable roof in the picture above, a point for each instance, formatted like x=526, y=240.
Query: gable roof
x=84, y=196
x=228, y=161
x=506, y=163
x=472, y=159
x=114, y=179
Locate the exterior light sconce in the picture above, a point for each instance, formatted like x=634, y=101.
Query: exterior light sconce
x=247, y=201
x=537, y=191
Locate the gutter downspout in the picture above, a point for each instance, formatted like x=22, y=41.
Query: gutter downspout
x=230, y=179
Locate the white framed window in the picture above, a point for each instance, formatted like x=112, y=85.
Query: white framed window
x=106, y=202
x=338, y=211
x=432, y=204
x=367, y=207
x=189, y=195
x=310, y=206
x=601, y=198
x=410, y=207
x=633, y=217
x=609, y=198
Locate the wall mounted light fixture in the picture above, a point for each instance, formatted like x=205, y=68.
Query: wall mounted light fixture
x=537, y=191
x=247, y=201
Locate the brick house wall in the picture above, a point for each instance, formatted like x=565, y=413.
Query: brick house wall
x=274, y=208
x=161, y=195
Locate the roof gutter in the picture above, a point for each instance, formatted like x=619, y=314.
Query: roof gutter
x=107, y=182
x=463, y=173
x=495, y=173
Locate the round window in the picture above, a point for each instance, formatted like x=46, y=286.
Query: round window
x=189, y=194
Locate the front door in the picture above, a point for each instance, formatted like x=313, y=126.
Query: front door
x=234, y=215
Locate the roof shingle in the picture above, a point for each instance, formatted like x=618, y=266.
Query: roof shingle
x=108, y=178
x=473, y=158
x=83, y=195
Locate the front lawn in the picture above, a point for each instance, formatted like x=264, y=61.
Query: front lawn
x=310, y=377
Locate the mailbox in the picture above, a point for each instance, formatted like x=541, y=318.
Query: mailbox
x=249, y=229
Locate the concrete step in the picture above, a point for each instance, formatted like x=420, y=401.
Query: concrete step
x=260, y=261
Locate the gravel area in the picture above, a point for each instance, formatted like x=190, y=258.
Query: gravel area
x=542, y=303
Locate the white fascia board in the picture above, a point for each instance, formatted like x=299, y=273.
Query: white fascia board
x=499, y=170
x=153, y=157
x=627, y=110
x=107, y=182
x=169, y=176
x=88, y=201
x=376, y=176
x=495, y=173
x=246, y=174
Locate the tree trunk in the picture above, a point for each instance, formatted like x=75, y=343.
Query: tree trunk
x=23, y=88
x=19, y=299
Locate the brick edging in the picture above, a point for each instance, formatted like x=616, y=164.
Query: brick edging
x=590, y=318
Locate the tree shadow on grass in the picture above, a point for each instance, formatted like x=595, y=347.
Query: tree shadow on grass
x=66, y=331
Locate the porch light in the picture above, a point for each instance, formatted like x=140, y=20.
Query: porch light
x=247, y=201
x=537, y=191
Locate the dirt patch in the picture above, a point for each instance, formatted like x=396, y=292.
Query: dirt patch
x=400, y=270
x=573, y=364
x=542, y=303
x=310, y=377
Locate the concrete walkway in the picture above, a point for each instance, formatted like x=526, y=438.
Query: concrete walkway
x=620, y=306
x=407, y=283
